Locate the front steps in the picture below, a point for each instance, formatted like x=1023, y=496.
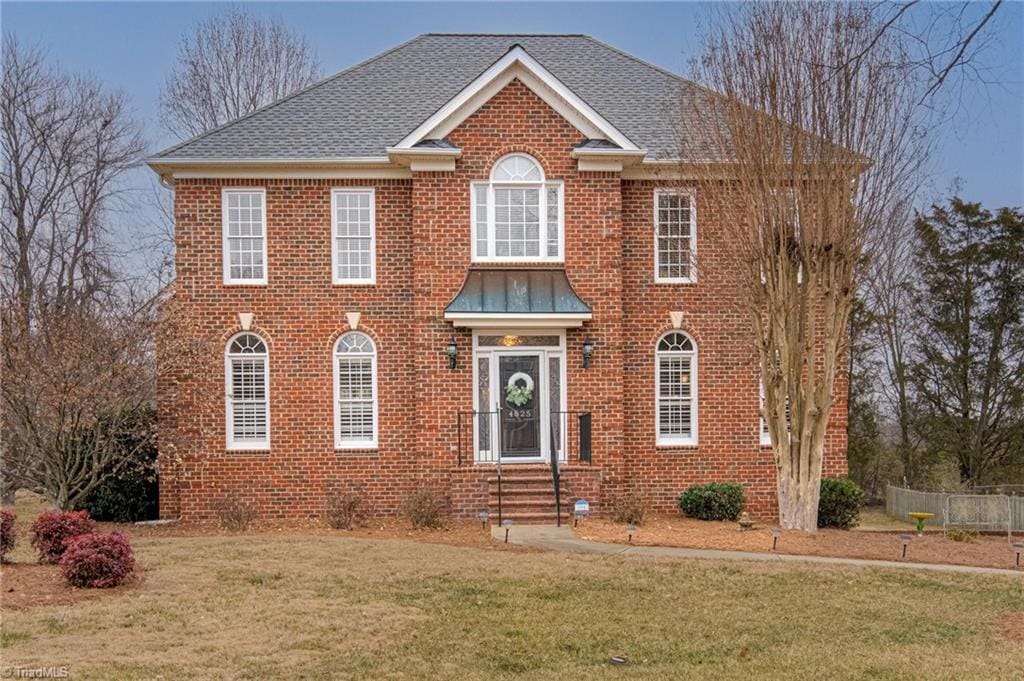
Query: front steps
x=527, y=498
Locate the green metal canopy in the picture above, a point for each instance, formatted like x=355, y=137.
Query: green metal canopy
x=503, y=297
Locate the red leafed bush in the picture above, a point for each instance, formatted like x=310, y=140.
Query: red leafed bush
x=52, y=529
x=7, y=534
x=98, y=561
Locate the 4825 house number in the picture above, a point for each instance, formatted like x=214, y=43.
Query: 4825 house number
x=520, y=413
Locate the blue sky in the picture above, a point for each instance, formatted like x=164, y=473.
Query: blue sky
x=131, y=46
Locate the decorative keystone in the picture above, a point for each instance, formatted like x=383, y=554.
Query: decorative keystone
x=245, y=320
x=677, y=319
x=353, y=320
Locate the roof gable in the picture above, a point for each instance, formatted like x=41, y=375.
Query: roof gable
x=516, y=64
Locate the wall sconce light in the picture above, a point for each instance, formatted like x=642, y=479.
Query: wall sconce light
x=588, y=351
x=453, y=352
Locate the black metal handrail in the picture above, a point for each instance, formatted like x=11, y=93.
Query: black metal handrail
x=478, y=436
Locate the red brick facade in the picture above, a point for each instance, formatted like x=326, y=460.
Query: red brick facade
x=422, y=257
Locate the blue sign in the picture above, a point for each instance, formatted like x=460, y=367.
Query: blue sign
x=582, y=507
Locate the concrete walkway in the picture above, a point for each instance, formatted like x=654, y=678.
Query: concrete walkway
x=551, y=538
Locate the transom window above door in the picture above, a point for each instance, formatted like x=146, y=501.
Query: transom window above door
x=517, y=215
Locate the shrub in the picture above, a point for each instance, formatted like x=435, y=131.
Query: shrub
x=841, y=500
x=97, y=561
x=233, y=513
x=7, y=533
x=961, y=534
x=713, y=501
x=52, y=529
x=132, y=493
x=344, y=511
x=425, y=508
x=628, y=508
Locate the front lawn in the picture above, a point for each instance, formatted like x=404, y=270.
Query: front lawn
x=329, y=606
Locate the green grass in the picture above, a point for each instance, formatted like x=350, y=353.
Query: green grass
x=329, y=607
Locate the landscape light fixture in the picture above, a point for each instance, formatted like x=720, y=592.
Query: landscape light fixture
x=453, y=352
x=905, y=539
x=588, y=351
x=776, y=533
x=507, y=524
x=483, y=516
x=1018, y=549
x=630, y=529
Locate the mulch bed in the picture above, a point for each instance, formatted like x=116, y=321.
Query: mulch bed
x=666, y=530
x=27, y=585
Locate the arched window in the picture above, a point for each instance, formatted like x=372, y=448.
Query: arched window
x=355, y=392
x=248, y=392
x=675, y=379
x=517, y=215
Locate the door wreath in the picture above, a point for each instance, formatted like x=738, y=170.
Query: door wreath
x=518, y=394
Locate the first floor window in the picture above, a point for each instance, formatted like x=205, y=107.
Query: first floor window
x=353, y=221
x=248, y=388
x=245, y=242
x=355, y=391
x=675, y=225
x=676, y=389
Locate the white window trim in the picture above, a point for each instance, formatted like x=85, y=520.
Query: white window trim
x=766, y=437
x=542, y=209
x=225, y=249
x=692, y=279
x=340, y=444
x=670, y=440
x=372, y=279
x=229, y=416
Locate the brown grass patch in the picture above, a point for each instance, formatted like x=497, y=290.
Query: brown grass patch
x=1011, y=626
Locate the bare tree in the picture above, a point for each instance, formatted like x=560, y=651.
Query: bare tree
x=76, y=350
x=230, y=65
x=815, y=148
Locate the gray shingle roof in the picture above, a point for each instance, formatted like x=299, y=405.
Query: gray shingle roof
x=363, y=110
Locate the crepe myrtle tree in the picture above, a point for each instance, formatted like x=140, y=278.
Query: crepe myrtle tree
x=815, y=142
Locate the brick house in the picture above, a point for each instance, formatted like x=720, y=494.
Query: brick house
x=467, y=257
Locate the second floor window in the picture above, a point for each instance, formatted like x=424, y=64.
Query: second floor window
x=353, y=225
x=245, y=236
x=517, y=215
x=675, y=230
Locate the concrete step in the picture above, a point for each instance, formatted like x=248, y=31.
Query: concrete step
x=526, y=489
x=531, y=517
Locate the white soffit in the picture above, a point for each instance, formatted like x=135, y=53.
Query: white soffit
x=516, y=64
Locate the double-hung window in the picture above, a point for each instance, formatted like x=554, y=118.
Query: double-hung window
x=353, y=229
x=675, y=237
x=517, y=215
x=355, y=392
x=245, y=236
x=675, y=379
x=248, y=392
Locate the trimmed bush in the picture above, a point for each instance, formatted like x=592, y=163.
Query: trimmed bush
x=628, y=508
x=97, y=561
x=131, y=493
x=232, y=513
x=713, y=501
x=7, y=533
x=52, y=529
x=840, y=504
x=425, y=508
x=344, y=511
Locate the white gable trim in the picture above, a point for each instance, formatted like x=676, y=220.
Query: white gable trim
x=516, y=64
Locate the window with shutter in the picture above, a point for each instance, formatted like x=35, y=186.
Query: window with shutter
x=676, y=390
x=517, y=215
x=355, y=392
x=248, y=393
